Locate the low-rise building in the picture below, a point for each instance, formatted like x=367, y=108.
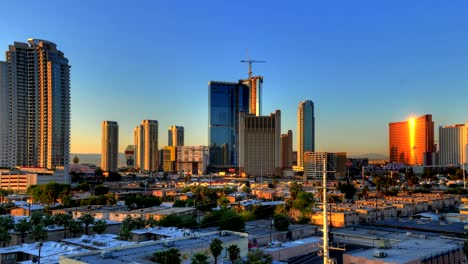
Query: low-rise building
x=141, y=252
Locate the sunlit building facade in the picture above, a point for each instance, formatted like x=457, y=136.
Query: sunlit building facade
x=314, y=165
x=192, y=159
x=259, y=144
x=109, y=146
x=37, y=104
x=255, y=94
x=5, y=128
x=453, y=144
x=169, y=158
x=305, y=130
x=412, y=142
x=175, y=136
x=150, y=150
x=287, y=150
x=139, y=143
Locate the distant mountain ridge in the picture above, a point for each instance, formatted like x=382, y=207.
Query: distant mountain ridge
x=371, y=156
x=93, y=158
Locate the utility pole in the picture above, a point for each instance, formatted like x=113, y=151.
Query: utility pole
x=326, y=254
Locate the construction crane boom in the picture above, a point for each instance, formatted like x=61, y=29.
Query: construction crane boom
x=250, y=65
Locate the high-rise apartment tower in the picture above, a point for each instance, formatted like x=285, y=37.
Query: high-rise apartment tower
x=110, y=146
x=36, y=131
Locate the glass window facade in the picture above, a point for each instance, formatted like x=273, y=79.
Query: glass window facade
x=226, y=101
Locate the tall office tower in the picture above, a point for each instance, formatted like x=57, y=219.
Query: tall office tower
x=150, y=152
x=110, y=146
x=5, y=143
x=175, y=136
x=305, y=130
x=226, y=101
x=138, y=141
x=38, y=105
x=313, y=165
x=255, y=94
x=130, y=156
x=412, y=142
x=340, y=168
x=260, y=144
x=287, y=150
x=453, y=144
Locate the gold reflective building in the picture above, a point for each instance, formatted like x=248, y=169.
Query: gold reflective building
x=412, y=142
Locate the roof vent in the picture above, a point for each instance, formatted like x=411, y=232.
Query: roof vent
x=106, y=254
x=379, y=254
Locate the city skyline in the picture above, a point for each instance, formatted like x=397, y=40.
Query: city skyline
x=388, y=62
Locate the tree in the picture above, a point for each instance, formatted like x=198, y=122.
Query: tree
x=179, y=203
x=86, y=219
x=74, y=227
x=39, y=233
x=48, y=220
x=199, y=258
x=4, y=236
x=294, y=189
x=216, y=246
x=258, y=257
x=230, y=220
x=304, y=201
x=101, y=190
x=63, y=220
x=23, y=227
x=234, y=252
x=281, y=222
x=125, y=233
x=7, y=222
x=348, y=189
x=100, y=226
x=4, y=193
x=171, y=256
x=36, y=218
x=223, y=202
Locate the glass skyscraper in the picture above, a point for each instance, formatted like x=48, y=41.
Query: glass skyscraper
x=305, y=130
x=226, y=101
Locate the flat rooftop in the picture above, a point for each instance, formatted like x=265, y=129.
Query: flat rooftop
x=50, y=251
x=295, y=243
x=141, y=253
x=103, y=241
x=409, y=250
x=425, y=225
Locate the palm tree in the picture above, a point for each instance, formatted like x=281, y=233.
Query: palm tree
x=100, y=226
x=365, y=192
x=7, y=223
x=63, y=220
x=23, y=227
x=39, y=232
x=86, y=219
x=48, y=220
x=4, y=236
x=216, y=246
x=199, y=258
x=74, y=227
x=171, y=256
x=234, y=252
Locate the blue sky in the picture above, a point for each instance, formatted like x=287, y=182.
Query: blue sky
x=363, y=63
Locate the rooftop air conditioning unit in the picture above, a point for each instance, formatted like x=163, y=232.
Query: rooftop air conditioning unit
x=379, y=254
x=106, y=254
